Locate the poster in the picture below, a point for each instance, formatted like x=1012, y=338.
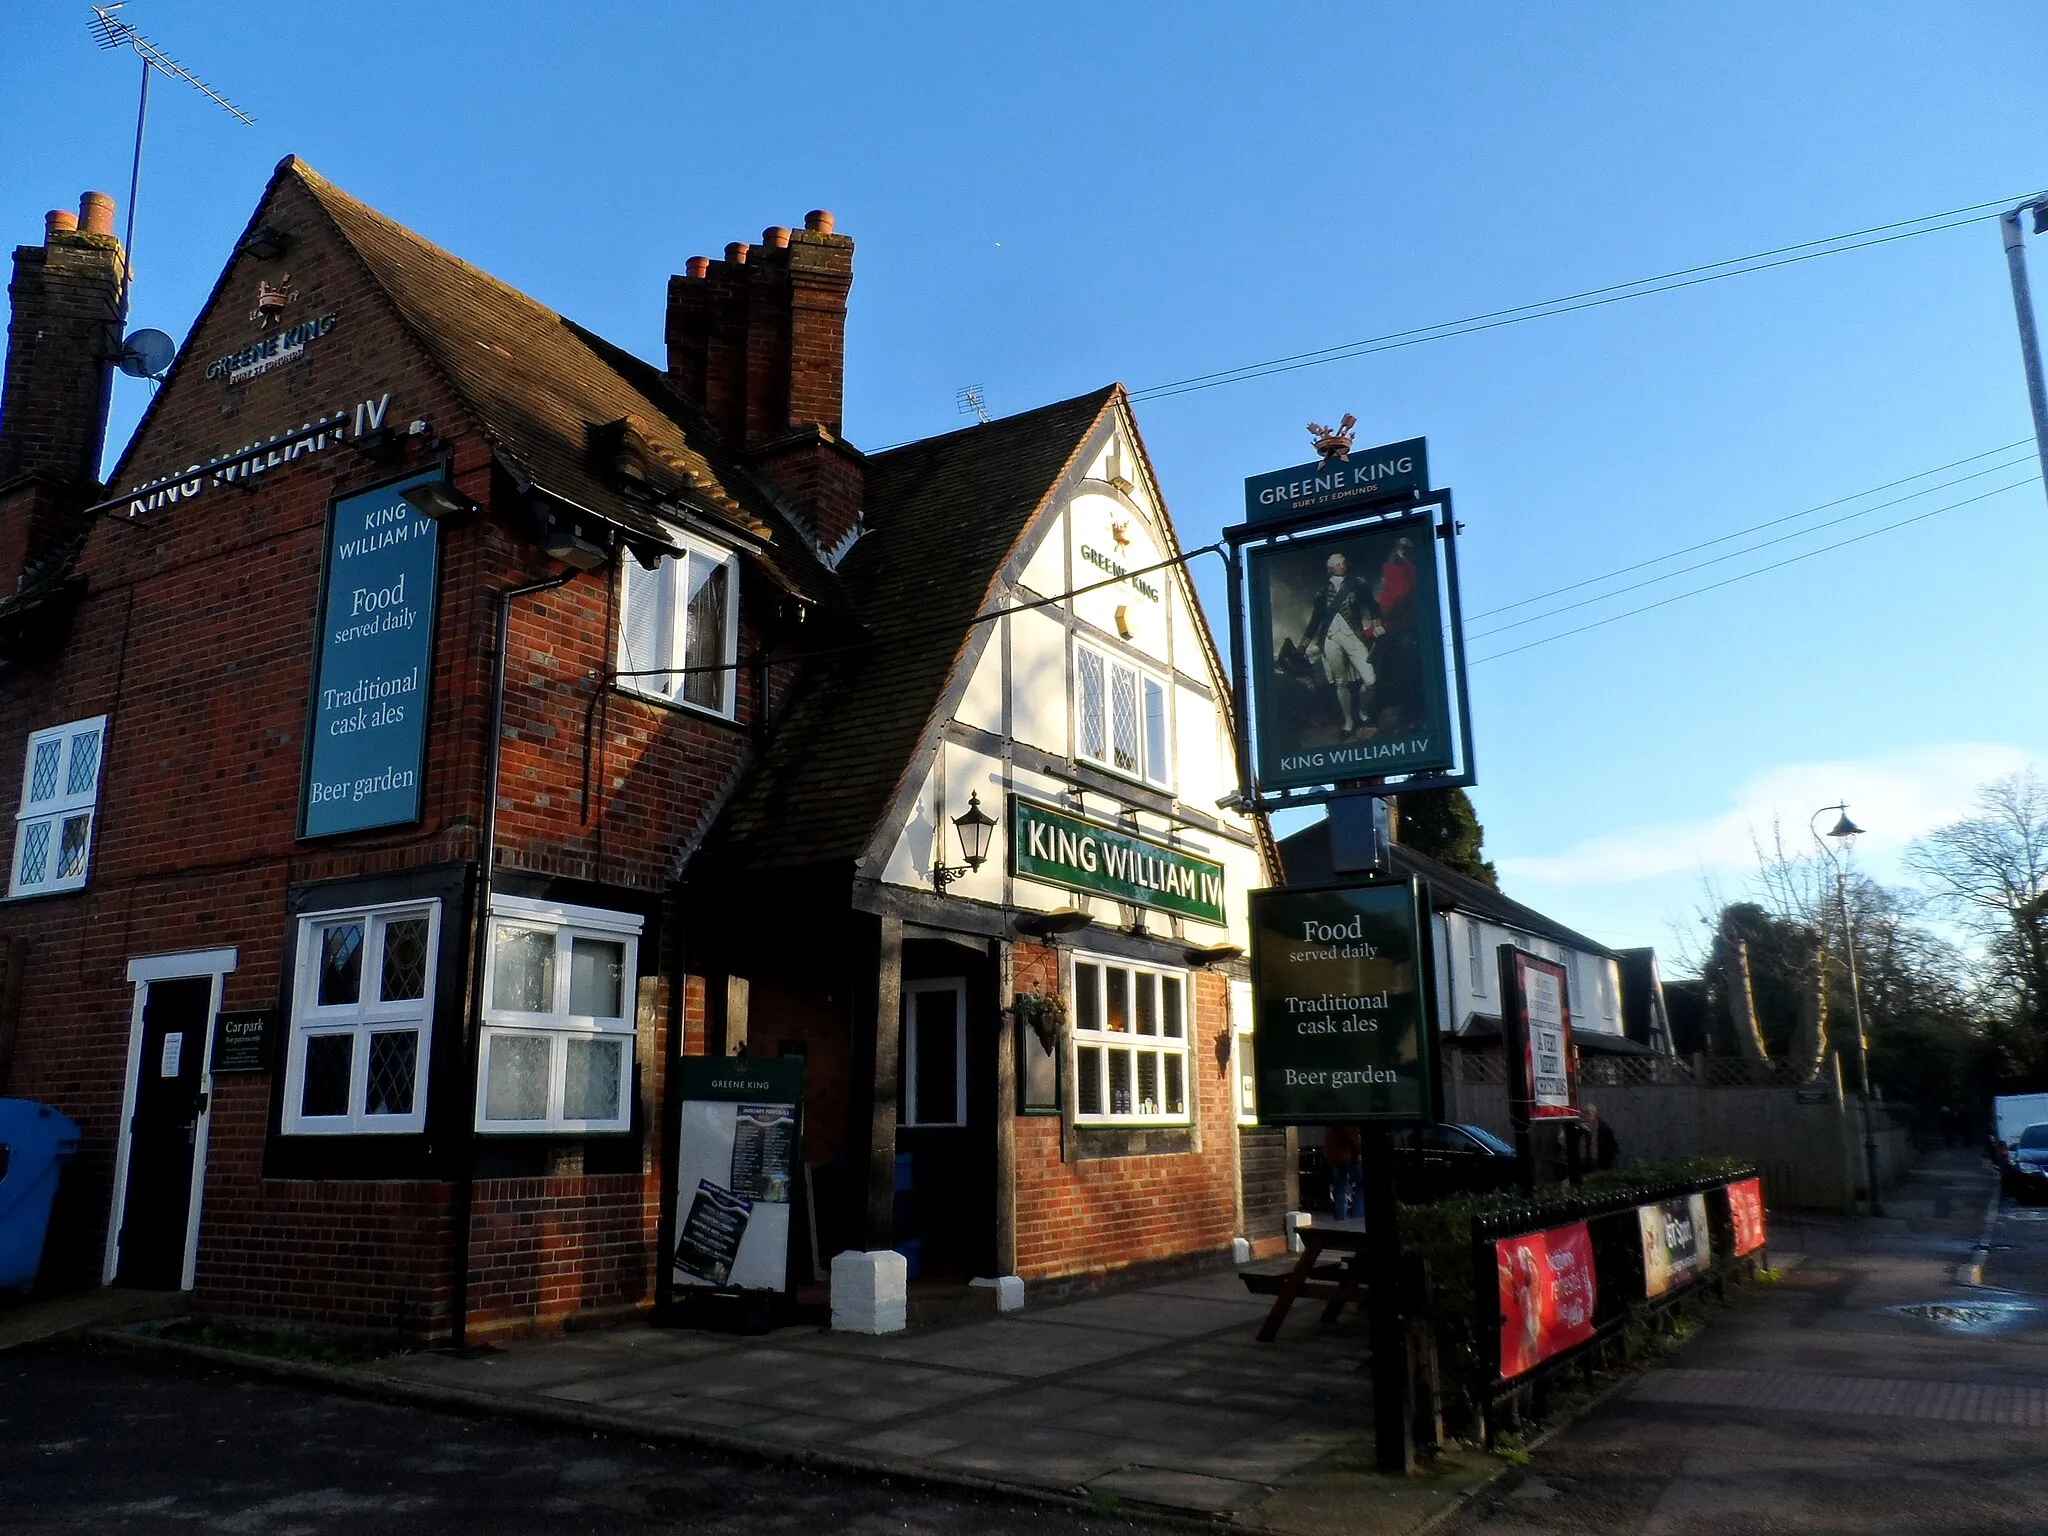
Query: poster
x=1746, y=1211
x=738, y=1147
x=1341, y=1019
x=1675, y=1246
x=1349, y=658
x=1547, y=1295
x=367, y=737
x=1536, y=1004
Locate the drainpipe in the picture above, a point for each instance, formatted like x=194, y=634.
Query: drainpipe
x=479, y=931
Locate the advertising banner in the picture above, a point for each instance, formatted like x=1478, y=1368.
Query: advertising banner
x=737, y=1156
x=1341, y=1018
x=1746, y=1210
x=1329, y=484
x=1348, y=661
x=1536, y=1015
x=367, y=741
x=1063, y=849
x=1547, y=1294
x=1675, y=1246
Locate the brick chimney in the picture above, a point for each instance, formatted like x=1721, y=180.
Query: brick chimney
x=62, y=344
x=758, y=340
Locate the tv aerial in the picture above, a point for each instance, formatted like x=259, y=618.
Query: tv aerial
x=112, y=32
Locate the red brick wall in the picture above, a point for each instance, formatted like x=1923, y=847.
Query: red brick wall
x=1097, y=1214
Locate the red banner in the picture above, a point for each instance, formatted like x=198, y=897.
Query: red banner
x=1547, y=1291
x=1746, y=1207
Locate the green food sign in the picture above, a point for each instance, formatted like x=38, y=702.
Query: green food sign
x=1061, y=849
x=1342, y=1027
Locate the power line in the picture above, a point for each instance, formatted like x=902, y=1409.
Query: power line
x=1776, y=565
x=1736, y=554
x=1523, y=602
x=1591, y=298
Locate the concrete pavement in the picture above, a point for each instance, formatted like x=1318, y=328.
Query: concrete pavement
x=1870, y=1392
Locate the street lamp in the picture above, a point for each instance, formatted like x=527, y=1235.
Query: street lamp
x=974, y=826
x=1842, y=835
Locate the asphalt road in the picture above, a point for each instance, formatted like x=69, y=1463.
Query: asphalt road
x=1873, y=1392
x=98, y=1439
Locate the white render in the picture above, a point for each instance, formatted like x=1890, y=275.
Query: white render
x=1468, y=974
x=1014, y=727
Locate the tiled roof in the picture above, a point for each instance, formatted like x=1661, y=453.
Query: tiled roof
x=537, y=382
x=943, y=515
x=1305, y=855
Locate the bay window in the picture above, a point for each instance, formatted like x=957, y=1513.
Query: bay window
x=1120, y=717
x=362, y=1021
x=679, y=628
x=1130, y=1043
x=60, y=792
x=559, y=992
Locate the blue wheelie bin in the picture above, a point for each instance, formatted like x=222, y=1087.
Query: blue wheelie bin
x=34, y=1142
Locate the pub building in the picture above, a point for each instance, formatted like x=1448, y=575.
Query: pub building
x=444, y=720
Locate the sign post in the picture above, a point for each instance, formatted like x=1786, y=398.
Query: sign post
x=1536, y=1040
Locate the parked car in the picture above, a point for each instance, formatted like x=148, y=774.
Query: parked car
x=2026, y=1167
x=1437, y=1161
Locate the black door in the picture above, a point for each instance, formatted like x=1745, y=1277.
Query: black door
x=162, y=1136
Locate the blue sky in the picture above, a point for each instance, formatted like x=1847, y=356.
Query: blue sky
x=1051, y=197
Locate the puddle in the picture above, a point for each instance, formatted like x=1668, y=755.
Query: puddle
x=1976, y=1317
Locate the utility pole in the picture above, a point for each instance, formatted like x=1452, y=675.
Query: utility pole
x=2023, y=307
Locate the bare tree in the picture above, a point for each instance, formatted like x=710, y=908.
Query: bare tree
x=1991, y=870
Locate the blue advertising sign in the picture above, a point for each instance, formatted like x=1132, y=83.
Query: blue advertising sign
x=1367, y=475
x=368, y=735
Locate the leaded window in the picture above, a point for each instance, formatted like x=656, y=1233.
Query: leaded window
x=362, y=1021
x=59, y=798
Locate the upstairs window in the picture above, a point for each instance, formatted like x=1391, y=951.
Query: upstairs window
x=60, y=789
x=1120, y=717
x=1475, y=948
x=679, y=630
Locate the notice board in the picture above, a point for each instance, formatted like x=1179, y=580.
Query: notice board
x=739, y=1152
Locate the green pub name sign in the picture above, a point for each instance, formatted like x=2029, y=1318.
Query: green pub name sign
x=1063, y=849
x=1341, y=1013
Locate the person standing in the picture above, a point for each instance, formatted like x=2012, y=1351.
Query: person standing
x=1341, y=1147
x=1341, y=628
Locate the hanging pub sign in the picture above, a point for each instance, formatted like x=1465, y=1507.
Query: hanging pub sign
x=1342, y=1013
x=366, y=743
x=1346, y=636
x=739, y=1152
x=1059, y=848
x=1536, y=1037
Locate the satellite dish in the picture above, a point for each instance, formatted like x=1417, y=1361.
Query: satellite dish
x=146, y=354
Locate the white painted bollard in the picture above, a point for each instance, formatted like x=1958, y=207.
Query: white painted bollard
x=870, y=1292
x=1240, y=1250
x=1009, y=1290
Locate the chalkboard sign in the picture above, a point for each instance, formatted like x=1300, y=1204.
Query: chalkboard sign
x=368, y=735
x=242, y=1041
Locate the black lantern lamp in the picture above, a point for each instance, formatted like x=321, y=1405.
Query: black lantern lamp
x=1844, y=831
x=975, y=827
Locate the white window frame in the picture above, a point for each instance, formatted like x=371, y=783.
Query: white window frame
x=557, y=1025
x=57, y=808
x=1475, y=949
x=669, y=688
x=366, y=1016
x=1243, y=1059
x=1112, y=663
x=1093, y=1035
x=907, y=1111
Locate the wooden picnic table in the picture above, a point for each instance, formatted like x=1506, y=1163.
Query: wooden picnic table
x=1333, y=1284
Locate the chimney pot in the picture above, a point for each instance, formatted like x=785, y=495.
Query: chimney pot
x=775, y=235
x=818, y=222
x=736, y=253
x=697, y=266
x=96, y=213
x=58, y=221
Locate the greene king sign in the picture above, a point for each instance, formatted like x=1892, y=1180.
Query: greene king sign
x=1050, y=845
